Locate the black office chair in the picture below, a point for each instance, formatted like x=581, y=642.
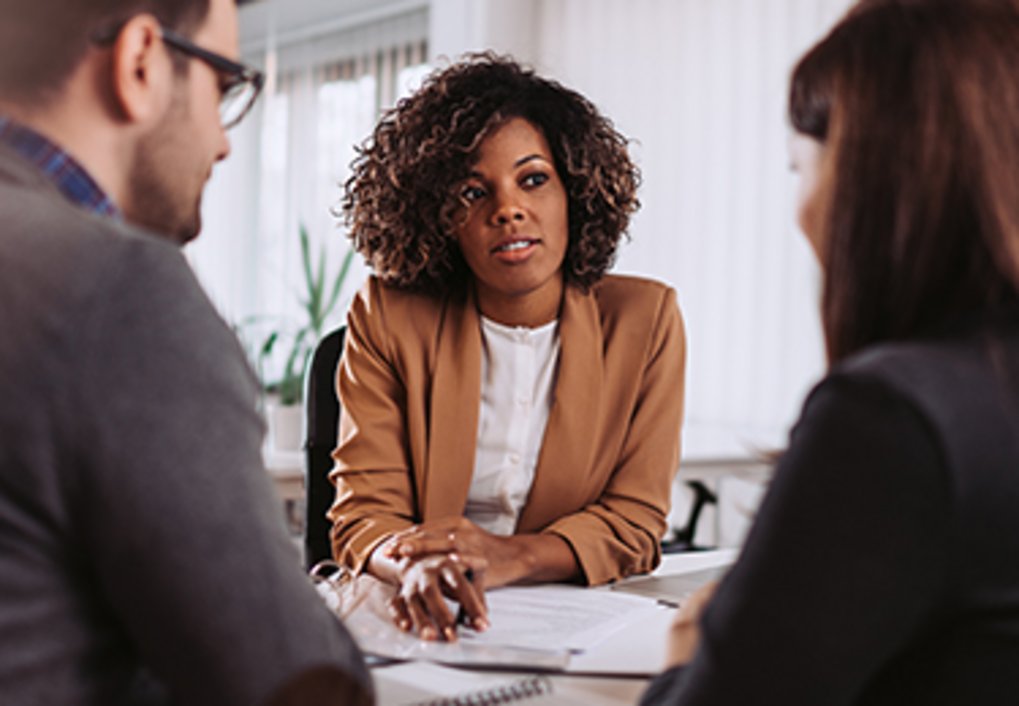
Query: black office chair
x=322, y=420
x=682, y=538
x=321, y=427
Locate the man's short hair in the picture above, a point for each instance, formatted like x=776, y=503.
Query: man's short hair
x=43, y=41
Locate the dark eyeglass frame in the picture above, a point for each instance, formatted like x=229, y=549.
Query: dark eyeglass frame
x=235, y=73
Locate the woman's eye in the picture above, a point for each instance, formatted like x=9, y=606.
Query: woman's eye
x=535, y=179
x=472, y=193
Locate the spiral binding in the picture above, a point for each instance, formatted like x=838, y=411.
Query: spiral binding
x=522, y=689
x=336, y=585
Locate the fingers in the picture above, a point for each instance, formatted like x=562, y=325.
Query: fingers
x=468, y=591
x=434, y=528
x=422, y=622
x=420, y=546
x=685, y=634
x=439, y=537
x=442, y=617
x=692, y=608
x=412, y=613
x=420, y=605
x=400, y=614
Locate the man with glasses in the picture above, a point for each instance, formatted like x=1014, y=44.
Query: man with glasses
x=186, y=136
x=143, y=557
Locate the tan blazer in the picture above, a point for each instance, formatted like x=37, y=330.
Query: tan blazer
x=410, y=388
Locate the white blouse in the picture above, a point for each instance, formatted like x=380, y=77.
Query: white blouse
x=518, y=371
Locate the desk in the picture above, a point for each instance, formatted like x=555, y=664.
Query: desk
x=642, y=643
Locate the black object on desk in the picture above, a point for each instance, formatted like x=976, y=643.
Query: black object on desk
x=682, y=539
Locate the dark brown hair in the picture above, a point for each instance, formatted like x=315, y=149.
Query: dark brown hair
x=917, y=102
x=401, y=202
x=43, y=41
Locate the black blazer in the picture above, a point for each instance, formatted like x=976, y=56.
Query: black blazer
x=882, y=567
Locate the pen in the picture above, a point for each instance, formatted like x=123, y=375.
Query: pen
x=461, y=613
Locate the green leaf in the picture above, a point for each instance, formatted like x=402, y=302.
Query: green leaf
x=268, y=345
x=319, y=284
x=318, y=300
x=295, y=352
x=305, y=252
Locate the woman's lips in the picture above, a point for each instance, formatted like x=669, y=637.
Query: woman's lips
x=515, y=250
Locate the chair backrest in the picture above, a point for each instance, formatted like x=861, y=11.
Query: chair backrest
x=321, y=425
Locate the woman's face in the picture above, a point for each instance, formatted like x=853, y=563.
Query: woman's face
x=514, y=230
x=805, y=156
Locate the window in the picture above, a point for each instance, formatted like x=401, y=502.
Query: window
x=323, y=97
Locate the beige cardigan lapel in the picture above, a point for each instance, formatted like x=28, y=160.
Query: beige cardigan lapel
x=453, y=412
x=567, y=445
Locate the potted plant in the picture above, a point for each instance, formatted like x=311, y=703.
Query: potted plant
x=318, y=299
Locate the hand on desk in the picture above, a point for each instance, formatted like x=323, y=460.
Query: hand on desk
x=685, y=634
x=432, y=559
x=505, y=558
x=424, y=581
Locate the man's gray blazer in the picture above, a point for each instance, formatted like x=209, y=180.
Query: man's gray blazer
x=139, y=533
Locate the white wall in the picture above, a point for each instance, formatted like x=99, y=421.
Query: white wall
x=459, y=26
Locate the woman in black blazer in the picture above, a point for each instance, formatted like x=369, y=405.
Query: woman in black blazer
x=882, y=567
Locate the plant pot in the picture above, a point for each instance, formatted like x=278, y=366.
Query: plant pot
x=284, y=422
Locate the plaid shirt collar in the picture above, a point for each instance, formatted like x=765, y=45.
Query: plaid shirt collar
x=59, y=167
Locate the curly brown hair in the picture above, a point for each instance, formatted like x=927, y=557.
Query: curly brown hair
x=401, y=202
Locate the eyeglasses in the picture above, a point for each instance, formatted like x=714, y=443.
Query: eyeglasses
x=239, y=85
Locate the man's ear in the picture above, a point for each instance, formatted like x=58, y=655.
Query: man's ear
x=142, y=72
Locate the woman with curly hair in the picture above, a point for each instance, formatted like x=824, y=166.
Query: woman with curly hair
x=511, y=413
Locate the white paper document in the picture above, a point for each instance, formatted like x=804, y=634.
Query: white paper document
x=556, y=617
x=535, y=627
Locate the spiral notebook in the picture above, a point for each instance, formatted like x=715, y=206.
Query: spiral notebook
x=429, y=684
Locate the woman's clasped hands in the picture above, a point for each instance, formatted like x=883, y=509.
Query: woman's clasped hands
x=451, y=559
